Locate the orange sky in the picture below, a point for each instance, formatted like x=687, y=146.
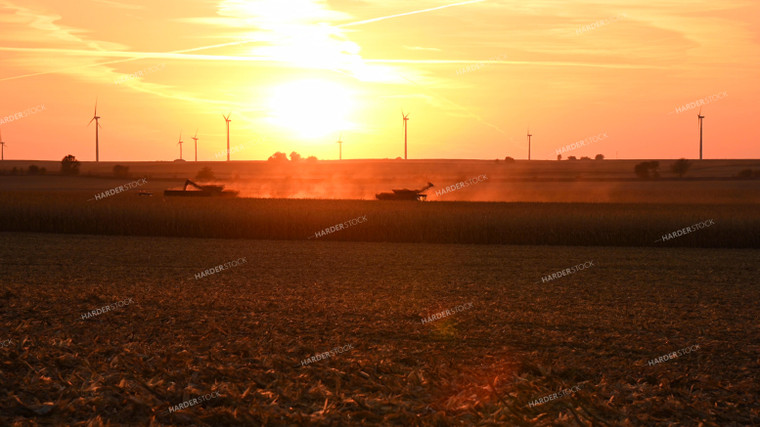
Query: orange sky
x=295, y=74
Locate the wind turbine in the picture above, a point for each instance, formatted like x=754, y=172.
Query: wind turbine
x=699, y=120
x=340, y=147
x=529, y=135
x=227, y=119
x=180, y=145
x=2, y=147
x=195, y=138
x=405, y=117
x=97, y=125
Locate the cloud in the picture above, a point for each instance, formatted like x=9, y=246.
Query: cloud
x=431, y=49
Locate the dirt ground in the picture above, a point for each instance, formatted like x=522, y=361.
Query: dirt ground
x=243, y=332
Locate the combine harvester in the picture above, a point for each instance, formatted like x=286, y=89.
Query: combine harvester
x=405, y=194
x=201, y=191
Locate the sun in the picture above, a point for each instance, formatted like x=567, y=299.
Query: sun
x=311, y=108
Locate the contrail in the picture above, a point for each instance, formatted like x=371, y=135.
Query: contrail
x=176, y=54
x=368, y=21
x=118, y=61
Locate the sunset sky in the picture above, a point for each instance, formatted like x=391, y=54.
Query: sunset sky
x=296, y=74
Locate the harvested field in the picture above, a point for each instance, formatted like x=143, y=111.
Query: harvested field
x=243, y=333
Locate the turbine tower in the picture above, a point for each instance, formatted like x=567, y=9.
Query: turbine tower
x=195, y=138
x=97, y=125
x=340, y=147
x=2, y=147
x=180, y=145
x=699, y=120
x=406, y=119
x=529, y=135
x=227, y=119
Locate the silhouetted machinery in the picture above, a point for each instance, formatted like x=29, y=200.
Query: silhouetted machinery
x=201, y=191
x=405, y=194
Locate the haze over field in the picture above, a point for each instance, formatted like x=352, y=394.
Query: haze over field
x=298, y=74
x=333, y=212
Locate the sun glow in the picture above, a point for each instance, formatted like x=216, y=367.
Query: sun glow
x=312, y=108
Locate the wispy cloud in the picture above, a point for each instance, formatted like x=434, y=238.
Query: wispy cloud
x=431, y=49
x=414, y=12
x=120, y=5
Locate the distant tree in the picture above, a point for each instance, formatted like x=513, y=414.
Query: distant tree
x=585, y=158
x=205, y=174
x=311, y=159
x=647, y=170
x=509, y=159
x=559, y=156
x=653, y=168
x=120, y=171
x=278, y=157
x=599, y=157
x=14, y=171
x=680, y=167
x=33, y=170
x=744, y=174
x=572, y=158
x=69, y=165
x=295, y=157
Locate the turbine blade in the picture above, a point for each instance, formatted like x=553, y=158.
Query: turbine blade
x=90, y=122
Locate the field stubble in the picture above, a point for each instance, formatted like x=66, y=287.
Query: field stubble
x=243, y=332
